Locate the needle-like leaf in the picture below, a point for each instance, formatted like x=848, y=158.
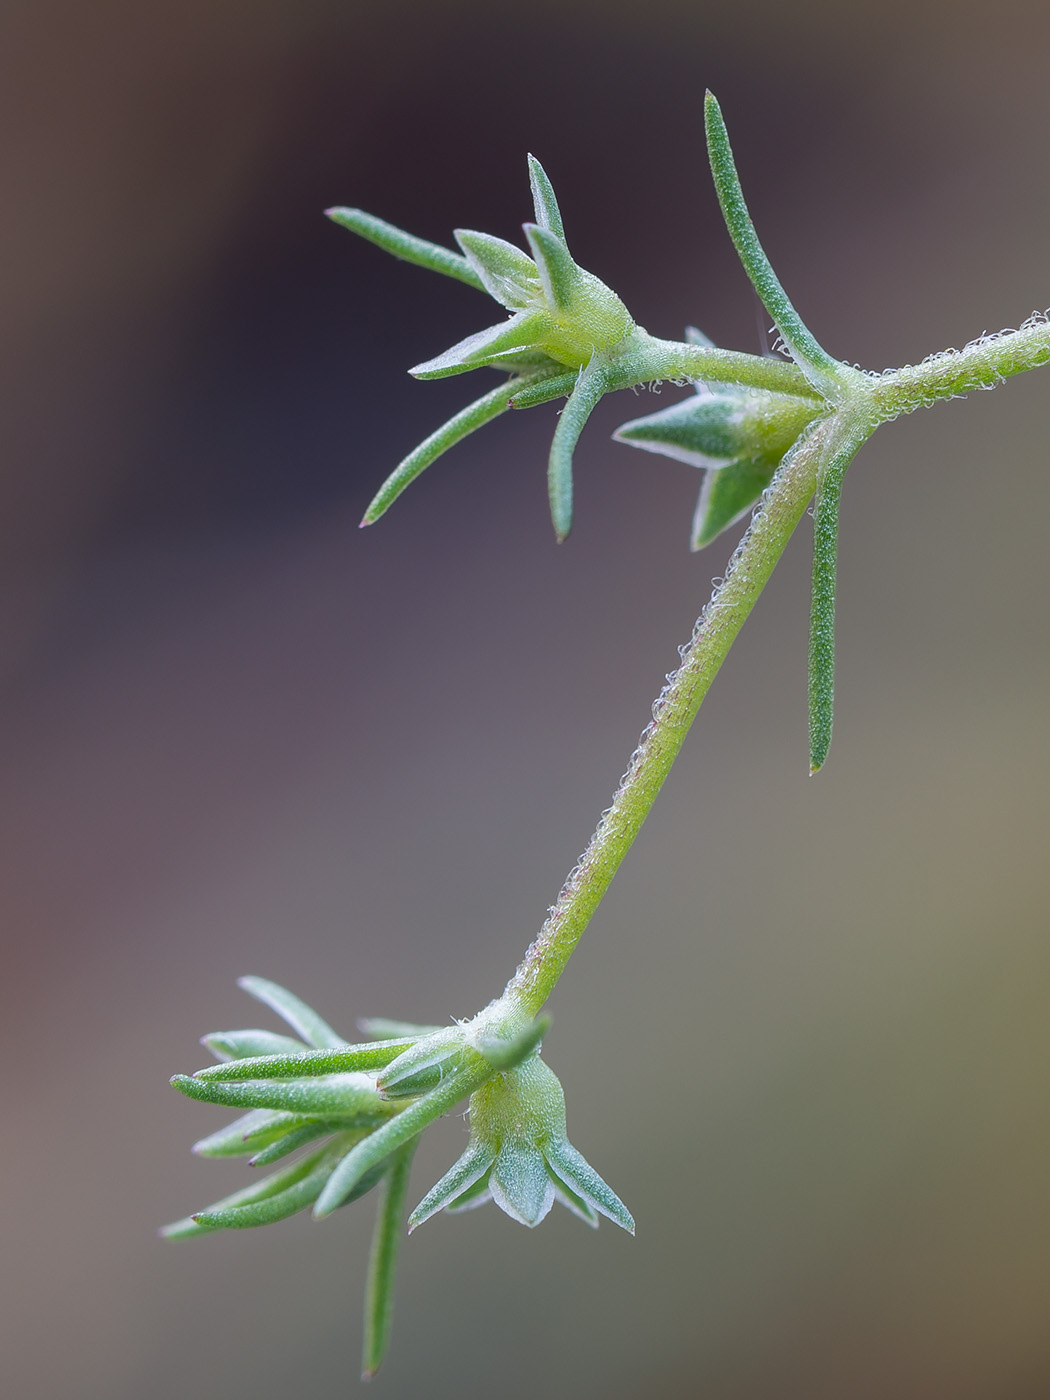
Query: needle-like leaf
x=372, y=1054
x=382, y=1265
x=303, y=1019
x=406, y=245
x=348, y=1096
x=822, y=606
x=408, y=1123
x=822, y=369
x=245, y=1135
x=291, y=1141
x=590, y=386
x=461, y=425
x=237, y=1045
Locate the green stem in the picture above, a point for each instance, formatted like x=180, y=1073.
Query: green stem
x=656, y=359
x=675, y=710
x=980, y=365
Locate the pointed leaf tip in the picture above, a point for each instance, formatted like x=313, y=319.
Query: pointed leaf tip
x=544, y=203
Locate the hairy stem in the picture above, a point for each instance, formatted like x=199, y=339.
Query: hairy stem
x=675, y=710
x=980, y=365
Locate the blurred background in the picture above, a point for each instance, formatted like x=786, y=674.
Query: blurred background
x=237, y=735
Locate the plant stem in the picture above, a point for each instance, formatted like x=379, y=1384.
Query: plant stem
x=980, y=365
x=832, y=441
x=676, y=708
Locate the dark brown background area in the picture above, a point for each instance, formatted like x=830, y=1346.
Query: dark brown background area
x=237, y=735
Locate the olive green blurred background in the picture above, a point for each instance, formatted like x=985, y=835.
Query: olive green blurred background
x=805, y=1037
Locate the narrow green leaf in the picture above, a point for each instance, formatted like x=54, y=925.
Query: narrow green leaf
x=507, y=273
x=304, y=1184
x=258, y=1191
x=465, y=422
x=245, y=1135
x=590, y=386
x=822, y=606
x=381, y=1028
x=368, y=1055
x=382, y=1264
x=548, y=215
x=558, y=273
x=434, y=1050
x=303, y=1019
x=408, y=1123
x=406, y=245
x=460, y=1177
x=290, y=1142
x=351, y=1097
x=236, y=1045
x=823, y=370
x=555, y=386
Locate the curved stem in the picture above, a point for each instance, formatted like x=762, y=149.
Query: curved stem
x=675, y=710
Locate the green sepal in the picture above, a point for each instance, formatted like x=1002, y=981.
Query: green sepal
x=371, y=1054
x=406, y=245
x=303, y=1019
x=520, y=1183
x=351, y=1097
x=702, y=431
x=464, y=1173
x=508, y=275
x=521, y=332
x=557, y=271
x=579, y=1207
x=727, y=495
x=579, y=1176
x=237, y=1045
x=548, y=215
x=472, y=1197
